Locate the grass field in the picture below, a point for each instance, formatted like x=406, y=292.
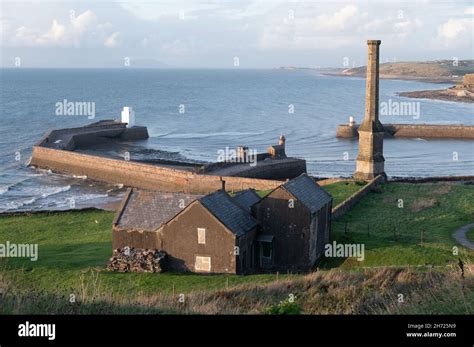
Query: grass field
x=340, y=191
x=407, y=224
x=74, y=248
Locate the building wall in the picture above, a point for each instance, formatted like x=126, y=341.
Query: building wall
x=291, y=230
x=179, y=238
x=134, y=238
x=140, y=175
x=246, y=261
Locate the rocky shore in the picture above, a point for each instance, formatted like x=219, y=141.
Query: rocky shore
x=450, y=94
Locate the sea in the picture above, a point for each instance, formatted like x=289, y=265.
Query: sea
x=192, y=115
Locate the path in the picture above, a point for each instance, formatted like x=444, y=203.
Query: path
x=460, y=236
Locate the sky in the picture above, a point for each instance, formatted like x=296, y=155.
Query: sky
x=230, y=33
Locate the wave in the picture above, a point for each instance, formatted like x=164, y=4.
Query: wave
x=14, y=205
x=4, y=189
x=55, y=190
x=90, y=196
x=64, y=201
x=79, y=176
x=30, y=196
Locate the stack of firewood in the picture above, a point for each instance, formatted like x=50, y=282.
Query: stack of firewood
x=129, y=259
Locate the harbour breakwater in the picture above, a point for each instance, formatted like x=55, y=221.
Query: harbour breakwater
x=56, y=151
x=140, y=175
x=413, y=131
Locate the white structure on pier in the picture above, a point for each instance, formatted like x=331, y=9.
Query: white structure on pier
x=128, y=116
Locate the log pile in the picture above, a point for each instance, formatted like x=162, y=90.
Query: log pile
x=129, y=259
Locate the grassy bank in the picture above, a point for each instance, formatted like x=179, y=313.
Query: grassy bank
x=374, y=291
x=407, y=224
x=74, y=248
x=340, y=191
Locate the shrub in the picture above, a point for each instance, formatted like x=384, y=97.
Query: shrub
x=285, y=307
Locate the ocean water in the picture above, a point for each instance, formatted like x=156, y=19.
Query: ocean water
x=221, y=108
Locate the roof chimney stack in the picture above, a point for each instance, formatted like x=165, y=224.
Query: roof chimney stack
x=222, y=184
x=282, y=140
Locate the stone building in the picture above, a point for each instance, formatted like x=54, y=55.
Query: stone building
x=209, y=234
x=467, y=84
x=468, y=81
x=219, y=233
x=295, y=221
x=370, y=160
x=278, y=151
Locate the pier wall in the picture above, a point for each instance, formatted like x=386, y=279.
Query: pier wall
x=277, y=170
x=414, y=131
x=140, y=175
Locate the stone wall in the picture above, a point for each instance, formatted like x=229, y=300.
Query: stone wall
x=434, y=179
x=140, y=175
x=415, y=130
x=351, y=201
x=208, y=168
x=274, y=169
x=347, y=131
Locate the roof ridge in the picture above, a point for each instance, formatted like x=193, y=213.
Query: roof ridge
x=243, y=212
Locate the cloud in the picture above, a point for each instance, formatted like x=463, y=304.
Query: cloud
x=112, y=40
x=56, y=33
x=193, y=10
x=453, y=28
x=337, y=21
x=266, y=33
x=84, y=21
x=469, y=10
x=84, y=29
x=456, y=32
x=178, y=47
x=341, y=27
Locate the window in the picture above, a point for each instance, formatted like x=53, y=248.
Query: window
x=202, y=264
x=266, y=249
x=202, y=236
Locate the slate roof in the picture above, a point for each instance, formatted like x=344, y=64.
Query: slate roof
x=306, y=190
x=246, y=199
x=234, y=217
x=148, y=210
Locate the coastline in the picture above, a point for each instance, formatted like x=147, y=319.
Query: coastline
x=438, y=94
x=111, y=206
x=448, y=94
x=438, y=80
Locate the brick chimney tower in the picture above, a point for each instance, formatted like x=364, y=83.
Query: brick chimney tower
x=370, y=160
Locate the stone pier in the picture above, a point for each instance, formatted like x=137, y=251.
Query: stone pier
x=370, y=160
